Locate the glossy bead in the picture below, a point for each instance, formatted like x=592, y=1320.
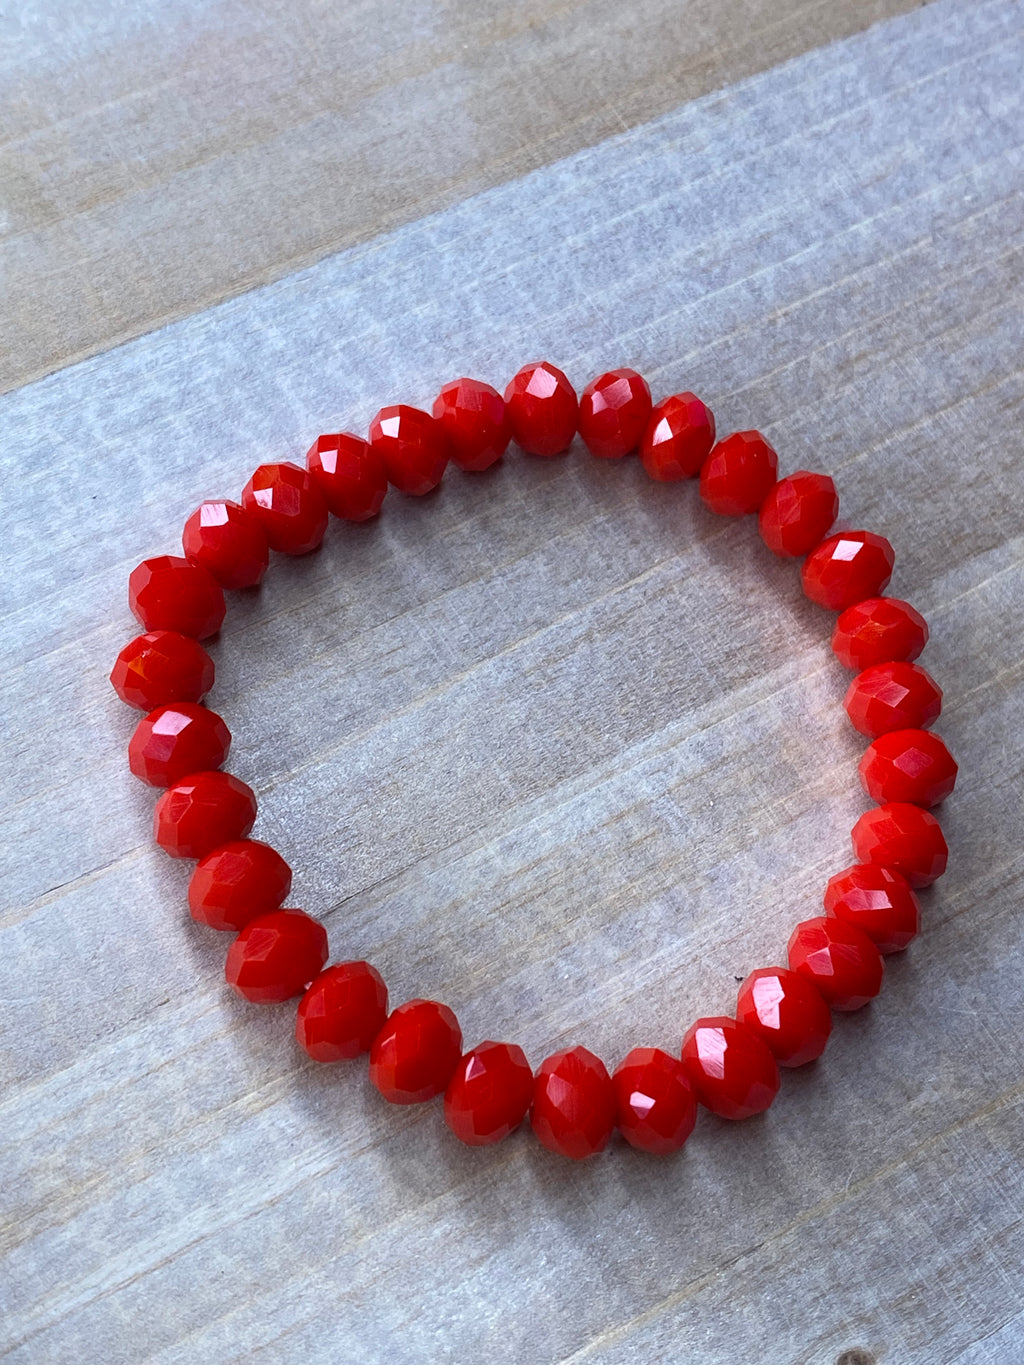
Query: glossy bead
x=573, y=1109
x=732, y=1071
x=201, y=812
x=893, y=696
x=787, y=1012
x=614, y=411
x=739, y=474
x=903, y=837
x=878, y=901
x=472, y=415
x=839, y=959
x=878, y=630
x=229, y=542
x=159, y=667
x=677, y=439
x=489, y=1094
x=655, y=1104
x=276, y=956
x=176, y=740
x=415, y=1054
x=846, y=568
x=797, y=512
x=349, y=473
x=342, y=1012
x=542, y=409
x=237, y=882
x=288, y=506
x=908, y=765
x=169, y=593
x=413, y=447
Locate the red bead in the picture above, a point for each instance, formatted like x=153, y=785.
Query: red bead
x=415, y=1054
x=893, y=696
x=677, y=440
x=739, y=474
x=159, y=667
x=839, y=959
x=413, y=447
x=472, y=415
x=342, y=1012
x=878, y=630
x=276, y=956
x=169, y=593
x=614, y=411
x=732, y=1071
x=237, y=882
x=176, y=740
x=201, y=812
x=573, y=1110
x=489, y=1094
x=349, y=473
x=877, y=901
x=542, y=409
x=787, y=1012
x=289, y=507
x=228, y=541
x=797, y=513
x=908, y=765
x=654, y=1101
x=903, y=837
x=847, y=567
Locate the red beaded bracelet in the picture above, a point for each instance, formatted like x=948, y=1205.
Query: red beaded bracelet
x=783, y=1014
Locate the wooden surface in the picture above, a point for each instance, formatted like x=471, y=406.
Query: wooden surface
x=555, y=746
x=155, y=160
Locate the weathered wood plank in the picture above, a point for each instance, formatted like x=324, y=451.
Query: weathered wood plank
x=555, y=746
x=157, y=161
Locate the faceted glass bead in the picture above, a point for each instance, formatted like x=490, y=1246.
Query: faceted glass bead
x=877, y=901
x=349, y=473
x=159, y=667
x=542, y=409
x=655, y=1103
x=787, y=1012
x=489, y=1094
x=902, y=837
x=839, y=959
x=573, y=1110
x=739, y=474
x=732, y=1071
x=878, y=630
x=797, y=513
x=342, y=1012
x=677, y=440
x=201, y=812
x=413, y=447
x=228, y=541
x=614, y=411
x=846, y=568
x=237, y=882
x=276, y=956
x=176, y=740
x=472, y=415
x=415, y=1054
x=908, y=765
x=893, y=696
x=169, y=593
x=288, y=506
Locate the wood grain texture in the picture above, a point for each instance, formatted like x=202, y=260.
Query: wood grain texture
x=555, y=746
x=157, y=160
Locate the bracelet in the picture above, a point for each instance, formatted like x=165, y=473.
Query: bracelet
x=730, y=1065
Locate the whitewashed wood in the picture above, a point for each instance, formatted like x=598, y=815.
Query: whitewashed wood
x=157, y=159
x=554, y=746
